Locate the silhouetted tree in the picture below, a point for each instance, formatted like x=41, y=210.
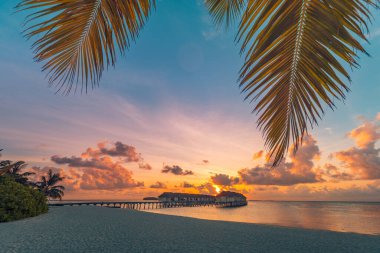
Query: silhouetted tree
x=15, y=171
x=48, y=186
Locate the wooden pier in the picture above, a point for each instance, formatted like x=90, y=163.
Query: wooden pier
x=145, y=205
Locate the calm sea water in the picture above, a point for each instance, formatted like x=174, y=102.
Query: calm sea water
x=363, y=218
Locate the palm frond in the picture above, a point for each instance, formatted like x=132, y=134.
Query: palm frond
x=294, y=53
x=5, y=163
x=78, y=39
x=59, y=187
x=43, y=182
x=55, y=194
x=17, y=167
x=53, y=178
x=225, y=11
x=5, y=169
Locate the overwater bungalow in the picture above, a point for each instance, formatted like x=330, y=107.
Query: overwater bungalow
x=185, y=197
x=236, y=199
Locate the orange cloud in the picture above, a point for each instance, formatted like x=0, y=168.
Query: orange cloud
x=363, y=161
x=158, y=185
x=336, y=174
x=300, y=169
x=258, y=155
x=187, y=185
x=117, y=177
x=71, y=179
x=206, y=188
x=366, y=134
x=96, y=169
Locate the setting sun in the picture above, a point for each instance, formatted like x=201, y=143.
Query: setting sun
x=217, y=189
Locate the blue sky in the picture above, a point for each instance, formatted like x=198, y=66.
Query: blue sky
x=174, y=96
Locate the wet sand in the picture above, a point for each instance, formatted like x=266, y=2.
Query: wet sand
x=100, y=229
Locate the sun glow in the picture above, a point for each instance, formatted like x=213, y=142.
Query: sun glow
x=217, y=189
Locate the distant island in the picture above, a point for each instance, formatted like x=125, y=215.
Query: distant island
x=150, y=198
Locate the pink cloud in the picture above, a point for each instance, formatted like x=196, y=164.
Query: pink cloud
x=117, y=149
x=96, y=169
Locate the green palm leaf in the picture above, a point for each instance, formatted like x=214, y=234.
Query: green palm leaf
x=294, y=53
x=77, y=39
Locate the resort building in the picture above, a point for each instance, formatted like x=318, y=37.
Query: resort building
x=185, y=197
x=232, y=197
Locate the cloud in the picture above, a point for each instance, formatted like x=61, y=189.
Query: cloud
x=363, y=161
x=266, y=188
x=373, y=35
x=176, y=170
x=211, y=34
x=117, y=178
x=336, y=174
x=118, y=149
x=299, y=170
x=71, y=179
x=74, y=161
x=206, y=188
x=205, y=161
x=158, y=185
x=187, y=185
x=224, y=180
x=331, y=192
x=258, y=155
x=98, y=170
x=145, y=166
x=366, y=134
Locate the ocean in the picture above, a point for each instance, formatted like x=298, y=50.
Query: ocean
x=362, y=218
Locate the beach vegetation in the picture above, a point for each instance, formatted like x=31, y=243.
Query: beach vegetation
x=20, y=197
x=18, y=201
x=296, y=52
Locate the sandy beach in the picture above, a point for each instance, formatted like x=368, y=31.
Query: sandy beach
x=99, y=229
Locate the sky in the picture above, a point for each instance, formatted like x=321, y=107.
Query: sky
x=170, y=117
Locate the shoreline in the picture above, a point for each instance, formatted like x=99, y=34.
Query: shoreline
x=100, y=229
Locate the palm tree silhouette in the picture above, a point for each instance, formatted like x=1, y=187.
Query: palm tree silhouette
x=14, y=170
x=48, y=186
x=20, y=177
x=296, y=52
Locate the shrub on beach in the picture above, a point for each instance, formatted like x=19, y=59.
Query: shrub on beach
x=18, y=201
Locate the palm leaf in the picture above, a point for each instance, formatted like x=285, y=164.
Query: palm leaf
x=5, y=169
x=225, y=11
x=59, y=187
x=77, y=39
x=294, y=55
